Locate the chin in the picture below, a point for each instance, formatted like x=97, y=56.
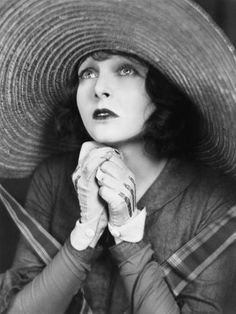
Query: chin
x=114, y=140
x=119, y=143
x=107, y=141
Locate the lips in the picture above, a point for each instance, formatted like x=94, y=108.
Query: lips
x=102, y=114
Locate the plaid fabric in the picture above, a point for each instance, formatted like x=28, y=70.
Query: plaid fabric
x=41, y=241
x=179, y=270
x=44, y=245
x=198, y=253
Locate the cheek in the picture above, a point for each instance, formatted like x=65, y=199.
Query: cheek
x=143, y=113
x=148, y=110
x=82, y=100
x=78, y=99
x=139, y=97
x=146, y=104
x=139, y=106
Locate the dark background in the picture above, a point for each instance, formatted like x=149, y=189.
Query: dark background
x=222, y=11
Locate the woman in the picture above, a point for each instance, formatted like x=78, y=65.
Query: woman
x=133, y=194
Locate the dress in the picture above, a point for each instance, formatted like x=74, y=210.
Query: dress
x=184, y=199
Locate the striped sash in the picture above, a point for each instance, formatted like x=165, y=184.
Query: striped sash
x=42, y=242
x=193, y=257
x=179, y=269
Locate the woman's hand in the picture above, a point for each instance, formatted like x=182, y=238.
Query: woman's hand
x=91, y=157
x=93, y=213
x=118, y=189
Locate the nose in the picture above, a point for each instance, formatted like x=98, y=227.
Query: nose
x=102, y=88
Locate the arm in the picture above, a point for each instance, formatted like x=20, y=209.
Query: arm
x=212, y=291
x=53, y=288
x=55, y=283
x=207, y=294
x=142, y=276
x=149, y=293
x=143, y=279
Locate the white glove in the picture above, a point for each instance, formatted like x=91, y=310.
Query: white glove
x=93, y=219
x=118, y=189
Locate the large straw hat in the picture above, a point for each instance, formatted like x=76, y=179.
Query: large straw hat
x=41, y=42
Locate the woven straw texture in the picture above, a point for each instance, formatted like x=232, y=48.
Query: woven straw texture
x=41, y=42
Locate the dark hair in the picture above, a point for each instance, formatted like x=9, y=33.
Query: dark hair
x=68, y=124
x=171, y=130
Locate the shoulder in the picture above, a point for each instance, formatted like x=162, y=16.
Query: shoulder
x=213, y=181
x=50, y=185
x=53, y=174
x=184, y=175
x=200, y=175
x=58, y=165
x=211, y=191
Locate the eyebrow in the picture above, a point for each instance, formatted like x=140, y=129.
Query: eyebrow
x=83, y=64
x=125, y=60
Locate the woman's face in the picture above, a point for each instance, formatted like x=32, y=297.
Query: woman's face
x=112, y=99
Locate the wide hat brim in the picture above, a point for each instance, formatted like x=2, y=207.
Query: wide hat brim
x=41, y=42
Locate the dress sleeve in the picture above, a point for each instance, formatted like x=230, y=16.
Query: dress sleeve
x=53, y=288
x=29, y=286
x=143, y=279
x=26, y=266
x=210, y=291
x=148, y=292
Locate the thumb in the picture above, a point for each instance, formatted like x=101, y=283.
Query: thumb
x=86, y=148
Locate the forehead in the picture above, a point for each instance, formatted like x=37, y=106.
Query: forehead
x=100, y=56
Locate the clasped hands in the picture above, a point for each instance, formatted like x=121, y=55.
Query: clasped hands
x=106, y=192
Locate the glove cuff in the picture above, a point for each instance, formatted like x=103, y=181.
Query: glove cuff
x=132, y=231
x=83, y=233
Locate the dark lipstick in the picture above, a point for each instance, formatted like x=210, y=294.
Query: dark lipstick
x=102, y=114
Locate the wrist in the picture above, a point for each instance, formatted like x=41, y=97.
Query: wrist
x=125, y=250
x=132, y=231
x=85, y=234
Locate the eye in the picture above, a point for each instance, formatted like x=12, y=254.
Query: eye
x=87, y=74
x=127, y=70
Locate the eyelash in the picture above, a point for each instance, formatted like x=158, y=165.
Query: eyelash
x=81, y=75
x=129, y=68
x=121, y=68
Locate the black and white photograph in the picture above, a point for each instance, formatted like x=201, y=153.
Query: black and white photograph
x=117, y=157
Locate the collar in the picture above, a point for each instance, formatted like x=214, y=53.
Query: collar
x=176, y=176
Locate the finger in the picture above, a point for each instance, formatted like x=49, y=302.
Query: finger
x=86, y=148
x=76, y=172
x=109, y=181
x=119, y=204
x=108, y=195
x=128, y=203
x=99, y=176
x=94, y=159
x=96, y=152
x=115, y=197
x=116, y=167
x=132, y=197
x=75, y=178
x=76, y=175
x=118, y=160
x=112, y=169
x=124, y=175
x=127, y=187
